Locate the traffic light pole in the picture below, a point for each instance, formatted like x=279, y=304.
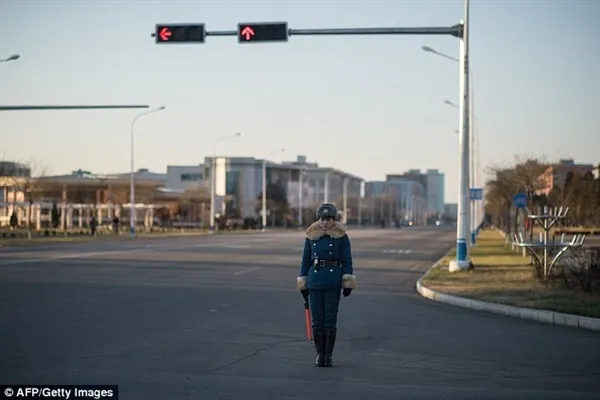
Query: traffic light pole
x=279, y=32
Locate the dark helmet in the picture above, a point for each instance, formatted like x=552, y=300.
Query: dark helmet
x=327, y=210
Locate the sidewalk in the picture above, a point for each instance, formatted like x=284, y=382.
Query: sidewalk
x=503, y=283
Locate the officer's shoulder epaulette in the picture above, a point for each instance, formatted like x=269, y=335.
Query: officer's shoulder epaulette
x=314, y=231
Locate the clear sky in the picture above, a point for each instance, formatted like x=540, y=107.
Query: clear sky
x=369, y=105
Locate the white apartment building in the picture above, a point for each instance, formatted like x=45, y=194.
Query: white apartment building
x=241, y=179
x=182, y=178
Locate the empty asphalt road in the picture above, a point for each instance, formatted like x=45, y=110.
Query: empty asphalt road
x=219, y=317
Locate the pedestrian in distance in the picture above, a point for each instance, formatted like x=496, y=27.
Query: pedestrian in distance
x=326, y=272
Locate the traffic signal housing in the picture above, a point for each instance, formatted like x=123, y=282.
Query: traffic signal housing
x=180, y=33
x=263, y=32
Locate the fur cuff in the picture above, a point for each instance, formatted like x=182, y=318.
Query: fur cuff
x=349, y=281
x=301, y=283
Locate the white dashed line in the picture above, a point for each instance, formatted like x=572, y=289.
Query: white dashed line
x=247, y=270
x=397, y=251
x=418, y=267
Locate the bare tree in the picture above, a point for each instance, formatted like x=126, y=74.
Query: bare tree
x=506, y=181
x=8, y=184
x=580, y=193
x=27, y=184
x=31, y=189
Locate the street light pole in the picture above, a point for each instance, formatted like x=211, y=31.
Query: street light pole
x=7, y=59
x=214, y=177
x=473, y=210
x=466, y=125
x=473, y=217
x=300, y=195
x=462, y=227
x=264, y=190
x=345, y=201
x=132, y=213
x=360, y=198
x=326, y=188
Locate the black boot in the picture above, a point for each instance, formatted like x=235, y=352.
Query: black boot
x=329, y=345
x=319, y=338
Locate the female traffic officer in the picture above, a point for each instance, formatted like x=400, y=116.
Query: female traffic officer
x=326, y=270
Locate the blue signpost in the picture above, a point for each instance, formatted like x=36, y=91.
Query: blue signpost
x=520, y=200
x=476, y=193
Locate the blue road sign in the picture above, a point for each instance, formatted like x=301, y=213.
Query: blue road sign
x=520, y=200
x=476, y=193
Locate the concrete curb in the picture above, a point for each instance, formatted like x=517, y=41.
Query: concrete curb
x=544, y=316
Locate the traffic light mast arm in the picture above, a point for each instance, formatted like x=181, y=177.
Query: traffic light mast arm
x=456, y=30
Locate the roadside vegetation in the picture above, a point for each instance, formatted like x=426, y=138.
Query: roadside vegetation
x=503, y=275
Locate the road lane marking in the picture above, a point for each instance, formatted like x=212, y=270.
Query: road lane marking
x=419, y=266
x=4, y=262
x=248, y=270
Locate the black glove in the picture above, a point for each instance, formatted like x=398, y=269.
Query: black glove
x=305, y=294
x=347, y=292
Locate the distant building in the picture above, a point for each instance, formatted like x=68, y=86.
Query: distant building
x=435, y=190
x=13, y=178
x=79, y=195
x=182, y=178
x=556, y=175
x=396, y=199
x=328, y=184
x=410, y=195
x=241, y=179
x=13, y=169
x=432, y=182
x=377, y=189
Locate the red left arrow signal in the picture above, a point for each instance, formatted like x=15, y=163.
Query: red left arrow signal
x=164, y=34
x=247, y=32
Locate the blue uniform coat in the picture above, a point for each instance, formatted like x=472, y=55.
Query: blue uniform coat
x=329, y=245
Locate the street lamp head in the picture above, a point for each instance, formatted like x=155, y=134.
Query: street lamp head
x=13, y=57
x=448, y=102
x=428, y=49
x=238, y=134
x=161, y=108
